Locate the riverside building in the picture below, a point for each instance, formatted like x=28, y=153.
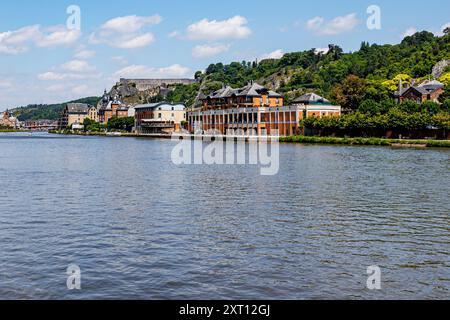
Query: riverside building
x=254, y=109
x=159, y=118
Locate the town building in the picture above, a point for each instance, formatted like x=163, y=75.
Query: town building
x=74, y=113
x=93, y=114
x=110, y=107
x=159, y=118
x=314, y=105
x=253, y=109
x=429, y=90
x=7, y=120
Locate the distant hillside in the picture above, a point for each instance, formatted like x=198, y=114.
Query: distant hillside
x=376, y=68
x=370, y=74
x=47, y=111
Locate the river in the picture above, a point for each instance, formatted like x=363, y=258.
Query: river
x=140, y=227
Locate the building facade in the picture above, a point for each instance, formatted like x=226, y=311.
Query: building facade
x=314, y=105
x=426, y=91
x=74, y=114
x=110, y=107
x=159, y=118
x=7, y=120
x=93, y=114
x=253, y=109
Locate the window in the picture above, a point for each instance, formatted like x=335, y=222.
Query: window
x=263, y=117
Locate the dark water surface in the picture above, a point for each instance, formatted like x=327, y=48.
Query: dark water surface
x=141, y=227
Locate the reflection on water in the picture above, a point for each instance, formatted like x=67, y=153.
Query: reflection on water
x=140, y=227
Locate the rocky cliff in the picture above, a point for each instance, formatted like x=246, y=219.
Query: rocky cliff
x=440, y=68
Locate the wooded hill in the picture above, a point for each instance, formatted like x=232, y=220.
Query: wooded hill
x=372, y=72
x=367, y=77
x=47, y=111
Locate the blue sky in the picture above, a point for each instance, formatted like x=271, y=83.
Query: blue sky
x=42, y=61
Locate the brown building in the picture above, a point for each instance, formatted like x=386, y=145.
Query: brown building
x=110, y=107
x=7, y=120
x=427, y=91
x=252, y=109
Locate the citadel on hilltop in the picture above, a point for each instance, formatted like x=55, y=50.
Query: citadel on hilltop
x=150, y=84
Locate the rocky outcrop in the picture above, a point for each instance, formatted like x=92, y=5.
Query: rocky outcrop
x=136, y=91
x=440, y=68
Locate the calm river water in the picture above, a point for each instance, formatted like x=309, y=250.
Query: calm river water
x=140, y=227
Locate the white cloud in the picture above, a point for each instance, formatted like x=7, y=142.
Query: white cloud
x=141, y=71
x=82, y=90
x=135, y=42
x=59, y=76
x=336, y=26
x=322, y=50
x=126, y=32
x=409, y=32
x=71, y=70
x=5, y=84
x=77, y=66
x=56, y=88
x=58, y=36
x=440, y=33
x=174, y=34
x=49, y=91
x=119, y=59
x=19, y=41
x=15, y=42
x=85, y=54
x=50, y=76
x=130, y=24
x=233, y=28
x=315, y=23
x=208, y=51
x=277, y=54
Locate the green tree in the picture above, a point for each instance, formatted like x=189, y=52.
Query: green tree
x=446, y=106
x=370, y=107
x=409, y=106
x=430, y=107
x=125, y=124
x=350, y=93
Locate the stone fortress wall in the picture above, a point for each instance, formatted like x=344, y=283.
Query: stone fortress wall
x=150, y=84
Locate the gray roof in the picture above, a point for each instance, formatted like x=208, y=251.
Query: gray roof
x=252, y=89
x=178, y=106
x=223, y=93
x=420, y=90
x=431, y=86
x=78, y=107
x=423, y=88
x=311, y=98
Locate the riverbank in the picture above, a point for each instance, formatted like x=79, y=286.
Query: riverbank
x=404, y=143
x=111, y=134
x=368, y=142
x=11, y=130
